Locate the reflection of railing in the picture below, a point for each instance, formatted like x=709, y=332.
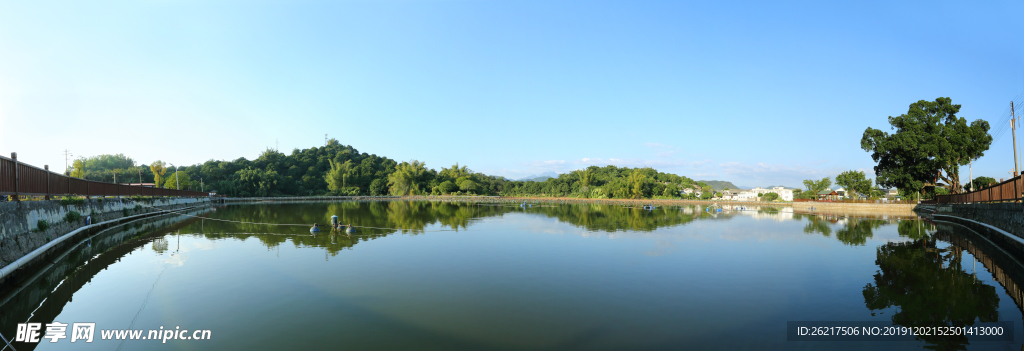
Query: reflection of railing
x=1009, y=190
x=18, y=178
x=1001, y=275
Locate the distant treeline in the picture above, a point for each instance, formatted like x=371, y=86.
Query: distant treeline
x=337, y=169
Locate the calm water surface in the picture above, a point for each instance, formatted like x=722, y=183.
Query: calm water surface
x=470, y=277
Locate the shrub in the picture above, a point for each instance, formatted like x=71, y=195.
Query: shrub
x=71, y=201
x=42, y=225
x=72, y=216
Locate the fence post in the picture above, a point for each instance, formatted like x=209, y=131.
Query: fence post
x=1016, y=191
x=47, y=168
x=14, y=156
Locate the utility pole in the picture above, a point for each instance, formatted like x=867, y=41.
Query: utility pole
x=1013, y=132
x=67, y=154
x=325, y=139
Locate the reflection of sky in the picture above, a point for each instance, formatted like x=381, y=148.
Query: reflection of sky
x=521, y=280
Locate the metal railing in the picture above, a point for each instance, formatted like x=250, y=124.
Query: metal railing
x=1007, y=191
x=20, y=179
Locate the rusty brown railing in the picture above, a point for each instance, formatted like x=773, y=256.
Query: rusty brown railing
x=19, y=179
x=1007, y=191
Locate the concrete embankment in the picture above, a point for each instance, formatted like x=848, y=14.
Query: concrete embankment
x=1006, y=216
x=879, y=210
x=20, y=233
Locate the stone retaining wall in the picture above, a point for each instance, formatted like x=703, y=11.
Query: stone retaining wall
x=20, y=235
x=1005, y=216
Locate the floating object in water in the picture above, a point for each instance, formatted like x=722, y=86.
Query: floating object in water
x=648, y=207
x=334, y=222
x=314, y=229
x=349, y=229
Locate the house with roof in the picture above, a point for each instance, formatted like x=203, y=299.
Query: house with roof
x=828, y=195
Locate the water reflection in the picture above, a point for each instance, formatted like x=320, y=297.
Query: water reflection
x=923, y=276
x=928, y=286
x=40, y=297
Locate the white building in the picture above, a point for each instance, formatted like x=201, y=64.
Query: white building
x=752, y=194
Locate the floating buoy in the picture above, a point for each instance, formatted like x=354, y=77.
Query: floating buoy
x=314, y=229
x=334, y=222
x=349, y=229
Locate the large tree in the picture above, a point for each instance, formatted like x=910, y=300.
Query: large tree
x=815, y=186
x=178, y=180
x=854, y=182
x=407, y=178
x=930, y=144
x=159, y=168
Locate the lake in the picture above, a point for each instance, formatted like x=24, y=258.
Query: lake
x=458, y=276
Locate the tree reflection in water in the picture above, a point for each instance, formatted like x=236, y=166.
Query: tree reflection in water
x=928, y=287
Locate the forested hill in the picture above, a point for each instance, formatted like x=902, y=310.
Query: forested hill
x=337, y=169
x=718, y=185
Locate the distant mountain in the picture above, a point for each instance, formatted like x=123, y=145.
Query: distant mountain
x=718, y=185
x=539, y=178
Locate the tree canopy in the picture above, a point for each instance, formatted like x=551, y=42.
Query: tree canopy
x=854, y=182
x=930, y=143
x=980, y=182
x=815, y=186
x=337, y=169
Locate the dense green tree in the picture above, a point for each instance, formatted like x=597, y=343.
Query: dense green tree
x=407, y=178
x=447, y=187
x=770, y=197
x=467, y=186
x=815, y=186
x=257, y=182
x=930, y=143
x=338, y=175
x=854, y=182
x=980, y=182
x=178, y=180
x=378, y=187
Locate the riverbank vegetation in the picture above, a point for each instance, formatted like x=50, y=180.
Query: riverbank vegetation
x=337, y=169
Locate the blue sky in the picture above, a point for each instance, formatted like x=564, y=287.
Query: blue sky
x=754, y=93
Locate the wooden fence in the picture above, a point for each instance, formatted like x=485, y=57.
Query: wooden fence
x=19, y=179
x=1007, y=191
